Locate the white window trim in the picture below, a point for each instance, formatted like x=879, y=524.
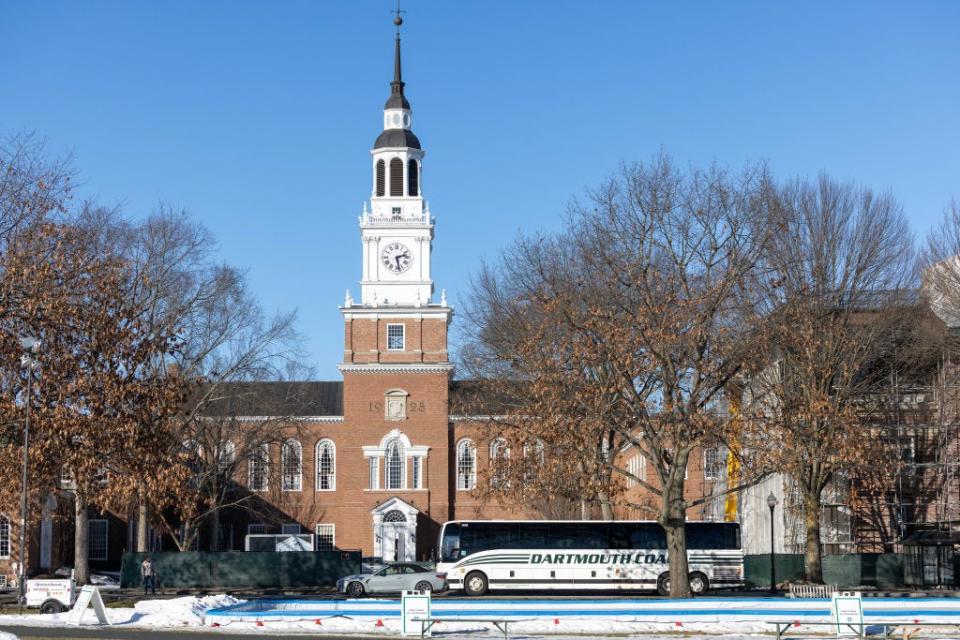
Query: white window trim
x=264, y=455
x=706, y=467
x=106, y=539
x=472, y=476
x=297, y=484
x=403, y=467
x=5, y=523
x=374, y=472
x=416, y=466
x=333, y=460
x=403, y=336
x=333, y=535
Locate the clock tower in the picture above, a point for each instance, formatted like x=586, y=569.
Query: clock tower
x=396, y=319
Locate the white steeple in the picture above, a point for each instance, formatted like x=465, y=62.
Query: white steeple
x=396, y=229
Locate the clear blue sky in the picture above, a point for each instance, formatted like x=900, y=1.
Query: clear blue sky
x=258, y=116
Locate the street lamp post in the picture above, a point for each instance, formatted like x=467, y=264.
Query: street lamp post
x=32, y=347
x=772, y=503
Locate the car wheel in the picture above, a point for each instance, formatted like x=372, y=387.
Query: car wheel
x=355, y=589
x=475, y=584
x=52, y=606
x=698, y=583
x=663, y=584
x=423, y=587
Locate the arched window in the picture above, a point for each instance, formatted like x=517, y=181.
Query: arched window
x=381, y=178
x=326, y=466
x=466, y=465
x=291, y=461
x=260, y=468
x=413, y=179
x=396, y=464
x=396, y=177
x=394, y=516
x=499, y=459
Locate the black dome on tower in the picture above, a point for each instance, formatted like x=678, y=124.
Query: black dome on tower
x=394, y=135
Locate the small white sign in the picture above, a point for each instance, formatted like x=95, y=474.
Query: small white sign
x=848, y=613
x=88, y=595
x=414, y=605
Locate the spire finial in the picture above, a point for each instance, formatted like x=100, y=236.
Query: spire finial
x=397, y=20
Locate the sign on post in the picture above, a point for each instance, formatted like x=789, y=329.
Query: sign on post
x=848, y=613
x=414, y=604
x=88, y=595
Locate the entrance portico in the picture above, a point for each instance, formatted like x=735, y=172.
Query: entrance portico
x=395, y=531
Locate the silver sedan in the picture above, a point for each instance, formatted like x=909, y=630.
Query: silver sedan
x=393, y=578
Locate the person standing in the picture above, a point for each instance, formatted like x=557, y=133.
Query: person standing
x=148, y=576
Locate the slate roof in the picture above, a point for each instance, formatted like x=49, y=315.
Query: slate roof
x=294, y=399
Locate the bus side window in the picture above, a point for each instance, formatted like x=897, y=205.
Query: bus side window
x=535, y=535
x=620, y=535
x=648, y=535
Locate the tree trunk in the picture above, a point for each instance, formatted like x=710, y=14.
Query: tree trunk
x=215, y=531
x=81, y=565
x=142, y=518
x=606, y=510
x=812, y=521
x=673, y=519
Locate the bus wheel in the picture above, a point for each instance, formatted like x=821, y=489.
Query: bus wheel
x=698, y=583
x=475, y=584
x=663, y=584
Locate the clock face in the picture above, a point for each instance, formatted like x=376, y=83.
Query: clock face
x=396, y=257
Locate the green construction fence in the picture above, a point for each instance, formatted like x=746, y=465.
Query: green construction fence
x=880, y=570
x=239, y=569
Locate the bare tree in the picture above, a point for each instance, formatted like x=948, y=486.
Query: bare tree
x=839, y=262
x=625, y=330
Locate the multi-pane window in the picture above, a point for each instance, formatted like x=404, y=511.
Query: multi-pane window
x=326, y=466
x=4, y=537
x=466, y=465
x=325, y=537
x=225, y=456
x=97, y=538
x=712, y=463
x=256, y=528
x=417, y=472
x=291, y=459
x=260, y=469
x=374, y=473
x=395, y=337
x=395, y=465
x=633, y=468
x=499, y=459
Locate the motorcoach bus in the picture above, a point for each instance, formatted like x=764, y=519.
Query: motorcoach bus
x=483, y=555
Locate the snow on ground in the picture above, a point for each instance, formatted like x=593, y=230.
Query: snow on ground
x=713, y=618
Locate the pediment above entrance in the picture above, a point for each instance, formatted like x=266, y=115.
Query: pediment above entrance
x=392, y=509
